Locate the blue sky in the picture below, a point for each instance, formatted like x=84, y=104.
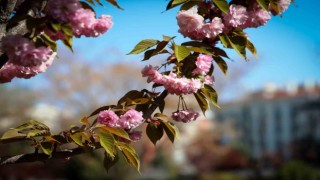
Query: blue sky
x=288, y=47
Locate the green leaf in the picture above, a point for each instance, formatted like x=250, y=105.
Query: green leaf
x=114, y=2
x=154, y=132
x=225, y=40
x=108, y=161
x=211, y=94
x=252, y=49
x=68, y=42
x=46, y=147
x=148, y=54
x=132, y=159
x=122, y=145
x=32, y=124
x=133, y=94
x=56, y=26
x=130, y=154
x=117, y=131
x=144, y=45
x=181, y=52
x=189, y=4
x=12, y=136
x=77, y=138
x=264, y=4
x=195, y=44
x=171, y=130
x=162, y=105
x=49, y=42
x=67, y=29
x=160, y=116
x=167, y=38
x=239, y=44
x=161, y=46
x=202, y=101
x=107, y=141
x=275, y=6
x=140, y=101
x=222, y=64
x=37, y=132
x=222, y=5
x=176, y=2
x=200, y=50
x=219, y=52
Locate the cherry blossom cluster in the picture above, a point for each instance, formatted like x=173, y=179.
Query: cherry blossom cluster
x=83, y=21
x=194, y=26
x=130, y=120
x=25, y=59
x=283, y=5
x=174, y=84
x=185, y=116
x=203, y=64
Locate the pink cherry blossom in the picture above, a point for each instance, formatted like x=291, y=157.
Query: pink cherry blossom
x=283, y=5
x=185, y=116
x=152, y=74
x=131, y=119
x=172, y=83
x=209, y=80
x=213, y=29
x=23, y=52
x=83, y=21
x=236, y=16
x=108, y=118
x=256, y=16
x=203, y=64
x=190, y=23
x=63, y=10
x=178, y=86
x=102, y=25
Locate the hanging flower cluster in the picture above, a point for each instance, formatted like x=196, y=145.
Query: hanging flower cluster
x=195, y=26
x=25, y=59
x=185, y=116
x=82, y=20
x=192, y=25
x=33, y=53
x=174, y=84
x=130, y=120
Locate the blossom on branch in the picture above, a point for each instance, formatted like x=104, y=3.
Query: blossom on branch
x=190, y=23
x=236, y=16
x=172, y=83
x=25, y=60
x=203, y=64
x=108, y=118
x=83, y=21
x=185, y=116
x=130, y=120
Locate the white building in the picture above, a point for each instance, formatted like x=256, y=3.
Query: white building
x=269, y=120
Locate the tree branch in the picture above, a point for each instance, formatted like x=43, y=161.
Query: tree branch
x=32, y=157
